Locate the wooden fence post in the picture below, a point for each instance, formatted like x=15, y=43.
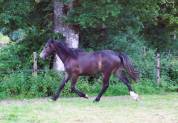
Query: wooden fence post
x=158, y=68
x=35, y=67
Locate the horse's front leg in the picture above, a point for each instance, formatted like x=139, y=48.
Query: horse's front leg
x=61, y=86
x=75, y=90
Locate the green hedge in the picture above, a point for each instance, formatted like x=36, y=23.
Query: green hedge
x=45, y=84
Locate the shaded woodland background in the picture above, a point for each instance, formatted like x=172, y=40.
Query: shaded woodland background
x=140, y=28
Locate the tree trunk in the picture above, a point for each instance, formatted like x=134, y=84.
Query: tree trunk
x=158, y=68
x=71, y=36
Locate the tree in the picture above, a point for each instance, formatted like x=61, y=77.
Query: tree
x=158, y=33
x=71, y=35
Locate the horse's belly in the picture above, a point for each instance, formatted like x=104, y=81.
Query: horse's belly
x=89, y=68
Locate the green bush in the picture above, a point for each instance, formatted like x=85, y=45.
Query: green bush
x=9, y=59
x=27, y=85
x=46, y=83
x=13, y=84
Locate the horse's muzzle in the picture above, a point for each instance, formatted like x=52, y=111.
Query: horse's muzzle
x=42, y=56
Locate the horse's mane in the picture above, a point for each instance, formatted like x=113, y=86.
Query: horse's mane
x=73, y=52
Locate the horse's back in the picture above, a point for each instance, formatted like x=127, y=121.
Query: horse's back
x=110, y=55
x=93, y=62
x=106, y=55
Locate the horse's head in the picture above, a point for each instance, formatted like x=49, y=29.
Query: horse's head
x=48, y=49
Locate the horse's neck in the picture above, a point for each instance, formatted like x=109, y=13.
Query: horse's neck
x=62, y=55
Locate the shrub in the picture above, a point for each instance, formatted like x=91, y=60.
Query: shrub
x=30, y=86
x=13, y=84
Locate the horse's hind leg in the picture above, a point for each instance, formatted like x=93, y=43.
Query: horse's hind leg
x=104, y=87
x=61, y=86
x=75, y=90
x=122, y=77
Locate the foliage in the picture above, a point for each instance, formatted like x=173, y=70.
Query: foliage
x=23, y=84
x=9, y=59
x=140, y=28
x=4, y=39
x=12, y=16
x=158, y=33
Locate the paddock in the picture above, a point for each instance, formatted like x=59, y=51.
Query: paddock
x=162, y=108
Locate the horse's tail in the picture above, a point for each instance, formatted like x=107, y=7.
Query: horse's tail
x=127, y=64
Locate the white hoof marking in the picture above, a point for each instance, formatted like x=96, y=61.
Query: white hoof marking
x=86, y=96
x=134, y=95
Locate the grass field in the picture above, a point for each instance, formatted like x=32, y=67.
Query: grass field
x=120, y=109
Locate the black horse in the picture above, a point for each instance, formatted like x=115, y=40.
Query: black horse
x=80, y=63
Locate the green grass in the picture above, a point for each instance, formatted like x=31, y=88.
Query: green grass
x=119, y=109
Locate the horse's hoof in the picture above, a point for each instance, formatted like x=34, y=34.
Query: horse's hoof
x=96, y=100
x=137, y=99
x=50, y=100
x=54, y=98
x=86, y=96
x=134, y=95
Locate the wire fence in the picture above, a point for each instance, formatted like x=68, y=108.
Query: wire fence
x=23, y=71
x=34, y=70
